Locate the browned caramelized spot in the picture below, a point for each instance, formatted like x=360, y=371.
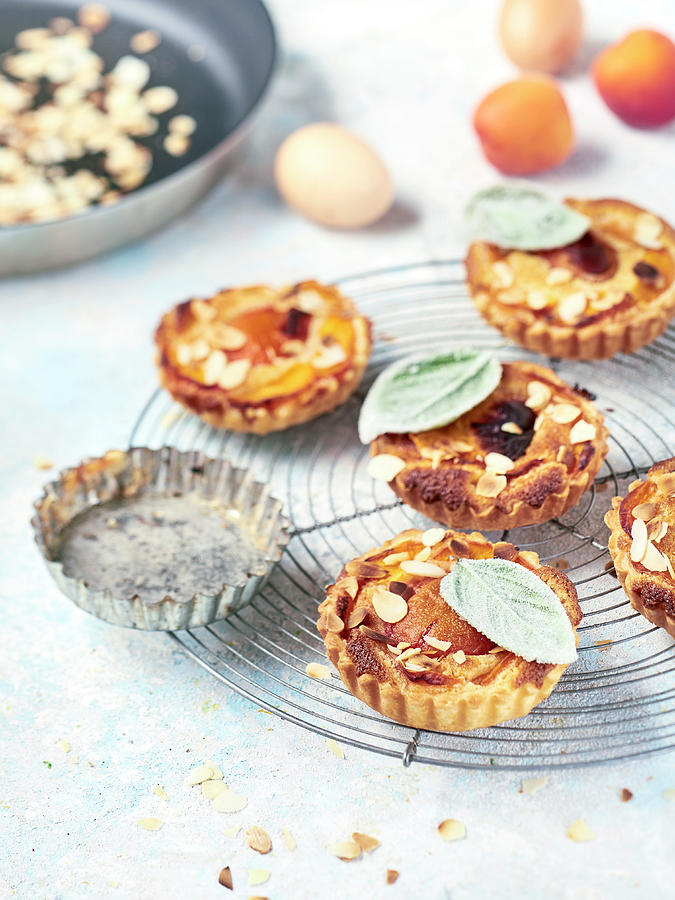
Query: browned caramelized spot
x=586, y=455
x=401, y=588
x=504, y=550
x=365, y=661
x=491, y=437
x=341, y=605
x=589, y=257
x=458, y=547
x=583, y=392
x=433, y=485
x=653, y=595
x=296, y=325
x=430, y=677
x=627, y=303
x=429, y=614
x=398, y=443
x=649, y=274
x=534, y=672
x=547, y=482
x=184, y=315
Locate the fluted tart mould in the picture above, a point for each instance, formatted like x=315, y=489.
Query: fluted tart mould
x=162, y=473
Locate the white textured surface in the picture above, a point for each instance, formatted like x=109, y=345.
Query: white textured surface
x=76, y=355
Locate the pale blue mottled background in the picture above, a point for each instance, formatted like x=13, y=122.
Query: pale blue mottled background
x=76, y=353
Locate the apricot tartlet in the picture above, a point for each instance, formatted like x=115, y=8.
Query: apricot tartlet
x=258, y=359
x=642, y=544
x=524, y=455
x=400, y=648
x=612, y=290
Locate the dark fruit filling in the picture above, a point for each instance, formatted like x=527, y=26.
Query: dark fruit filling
x=493, y=440
x=297, y=324
x=590, y=255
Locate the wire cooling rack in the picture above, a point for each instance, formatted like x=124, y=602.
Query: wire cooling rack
x=617, y=701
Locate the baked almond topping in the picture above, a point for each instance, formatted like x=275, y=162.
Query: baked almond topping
x=345, y=850
x=389, y=607
x=433, y=536
x=639, y=534
x=357, y=616
x=503, y=274
x=424, y=569
x=364, y=570
x=656, y=530
x=227, y=337
x=648, y=230
x=394, y=559
x=234, y=374
x=653, y=559
x=498, y=463
x=375, y=635
x=644, y=511
x=349, y=585
x=512, y=428
x=490, y=484
x=385, y=466
x=558, y=275
x=582, y=431
x=666, y=483
x=334, y=623
x=259, y=840
x=437, y=643
x=459, y=657
x=564, y=413
x=537, y=299
x=317, y=670
x=538, y=395
x=365, y=841
x=423, y=554
x=213, y=367
x=572, y=308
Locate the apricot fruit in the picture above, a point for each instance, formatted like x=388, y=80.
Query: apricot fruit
x=524, y=126
x=636, y=78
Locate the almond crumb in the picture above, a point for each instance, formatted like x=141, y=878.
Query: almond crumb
x=317, y=670
x=345, y=850
x=365, y=841
x=41, y=462
x=289, y=840
x=259, y=839
x=580, y=832
x=452, y=830
x=150, y=824
x=532, y=785
x=626, y=795
x=225, y=878
x=392, y=875
x=335, y=748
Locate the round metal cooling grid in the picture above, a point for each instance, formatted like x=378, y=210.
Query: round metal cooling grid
x=616, y=702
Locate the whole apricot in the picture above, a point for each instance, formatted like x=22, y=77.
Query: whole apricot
x=636, y=78
x=524, y=126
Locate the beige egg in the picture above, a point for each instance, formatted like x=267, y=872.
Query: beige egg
x=541, y=35
x=332, y=177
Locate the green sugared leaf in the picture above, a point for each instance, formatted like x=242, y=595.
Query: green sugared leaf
x=424, y=392
x=512, y=607
x=518, y=218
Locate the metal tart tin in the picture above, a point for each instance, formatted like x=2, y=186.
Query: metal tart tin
x=159, y=539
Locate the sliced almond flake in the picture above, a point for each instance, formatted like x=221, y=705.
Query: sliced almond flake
x=393, y=650
x=349, y=585
x=391, y=876
x=433, y=536
x=334, y=623
x=258, y=839
x=182, y=124
x=365, y=841
x=199, y=349
x=93, y=16
x=183, y=354
x=529, y=556
x=532, y=785
x=437, y=643
x=490, y=484
x=406, y=654
x=357, y=616
x=639, y=534
x=217, y=774
x=385, y=466
x=41, y=462
x=213, y=367
x=375, y=635
x=423, y=569
x=459, y=657
x=159, y=791
x=345, y=850
x=603, y=643
x=390, y=607
x=498, y=463
x=503, y=274
x=411, y=666
x=145, y=41
x=203, y=772
x=538, y=394
x=63, y=745
x=558, y=275
x=582, y=431
x=227, y=337
x=150, y=823
x=656, y=530
x=537, y=299
x=232, y=832
x=653, y=559
x=667, y=483
x=393, y=559
x=203, y=310
x=317, y=670
x=538, y=422
x=498, y=650
x=511, y=428
x=362, y=569
x=212, y=788
x=452, y=830
x=561, y=454
x=423, y=554
x=564, y=413
x=648, y=229
x=229, y=802
x=335, y=748
x=234, y=374
x=225, y=878
x=644, y=511
x=579, y=832
x=571, y=308
x=257, y=876
x=289, y=840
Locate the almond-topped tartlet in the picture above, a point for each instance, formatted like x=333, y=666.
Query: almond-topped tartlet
x=522, y=455
x=391, y=628
x=642, y=544
x=610, y=290
x=258, y=359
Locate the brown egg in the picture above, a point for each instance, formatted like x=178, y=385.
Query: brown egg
x=541, y=35
x=332, y=177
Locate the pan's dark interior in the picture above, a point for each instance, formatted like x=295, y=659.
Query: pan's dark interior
x=234, y=39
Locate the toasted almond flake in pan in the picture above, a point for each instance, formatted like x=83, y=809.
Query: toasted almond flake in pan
x=537, y=299
x=375, y=635
x=532, y=785
x=112, y=522
x=459, y=657
x=203, y=772
x=365, y=841
x=433, y=536
x=538, y=394
x=93, y=16
x=335, y=748
x=437, y=643
x=564, y=413
x=159, y=99
x=258, y=839
x=571, y=308
x=334, y=623
x=391, y=876
x=182, y=124
x=289, y=840
x=580, y=832
x=257, y=876
x=225, y=878
x=503, y=274
x=653, y=559
x=648, y=230
x=511, y=428
x=159, y=791
x=317, y=670
x=423, y=569
x=644, y=511
x=423, y=554
x=362, y=569
x=345, y=850
x=582, y=431
x=385, y=466
x=452, y=830
x=211, y=788
x=176, y=144
x=229, y=802
x=145, y=41
x=390, y=607
x=639, y=534
x=357, y=616
x=490, y=484
x=498, y=463
x=150, y=823
x=234, y=374
x=558, y=275
x=394, y=559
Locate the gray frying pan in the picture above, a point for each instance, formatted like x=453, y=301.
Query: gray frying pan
x=219, y=56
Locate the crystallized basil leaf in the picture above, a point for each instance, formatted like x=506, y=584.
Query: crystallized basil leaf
x=518, y=218
x=423, y=392
x=512, y=607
